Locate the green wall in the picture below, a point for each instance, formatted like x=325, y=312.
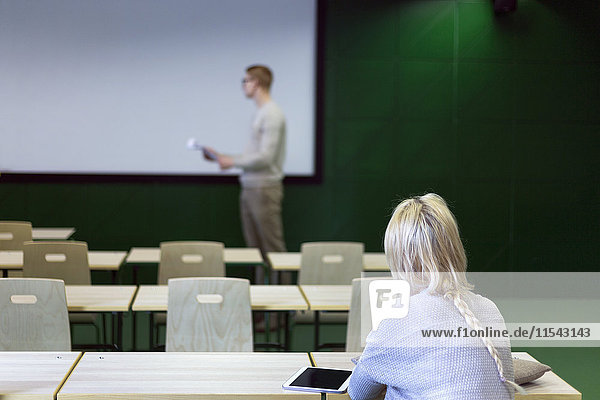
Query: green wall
x=499, y=114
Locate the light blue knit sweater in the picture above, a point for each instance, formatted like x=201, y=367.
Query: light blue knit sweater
x=413, y=367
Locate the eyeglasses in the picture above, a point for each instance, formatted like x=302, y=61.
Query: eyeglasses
x=246, y=80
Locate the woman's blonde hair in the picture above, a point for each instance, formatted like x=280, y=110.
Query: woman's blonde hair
x=423, y=247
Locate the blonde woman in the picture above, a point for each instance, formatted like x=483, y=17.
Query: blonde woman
x=423, y=247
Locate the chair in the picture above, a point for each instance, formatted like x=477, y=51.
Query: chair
x=33, y=315
x=330, y=263
x=209, y=314
x=189, y=259
x=359, y=316
x=13, y=234
x=65, y=260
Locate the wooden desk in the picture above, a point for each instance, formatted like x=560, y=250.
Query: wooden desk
x=106, y=260
x=34, y=375
x=225, y=376
x=548, y=387
x=98, y=260
x=326, y=298
x=115, y=299
x=99, y=298
x=232, y=255
x=291, y=261
x=52, y=233
x=262, y=298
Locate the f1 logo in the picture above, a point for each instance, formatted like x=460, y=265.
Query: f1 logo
x=388, y=298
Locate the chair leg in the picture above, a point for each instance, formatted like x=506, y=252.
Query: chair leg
x=158, y=341
x=156, y=333
x=97, y=328
x=151, y=330
x=103, y=328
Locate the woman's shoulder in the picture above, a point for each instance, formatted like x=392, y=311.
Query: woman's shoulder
x=482, y=305
x=425, y=311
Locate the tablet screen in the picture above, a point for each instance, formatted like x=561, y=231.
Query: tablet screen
x=321, y=378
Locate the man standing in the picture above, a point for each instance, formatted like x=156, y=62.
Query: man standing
x=262, y=166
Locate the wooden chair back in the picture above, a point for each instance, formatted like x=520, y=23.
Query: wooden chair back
x=190, y=259
x=209, y=314
x=330, y=263
x=13, y=234
x=359, y=316
x=33, y=315
x=66, y=260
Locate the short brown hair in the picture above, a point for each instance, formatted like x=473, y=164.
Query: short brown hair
x=262, y=74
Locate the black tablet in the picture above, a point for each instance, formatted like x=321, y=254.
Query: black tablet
x=314, y=379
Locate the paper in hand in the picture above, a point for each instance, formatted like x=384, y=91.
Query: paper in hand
x=209, y=154
x=192, y=144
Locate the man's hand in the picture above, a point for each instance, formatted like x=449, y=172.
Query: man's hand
x=210, y=154
x=225, y=162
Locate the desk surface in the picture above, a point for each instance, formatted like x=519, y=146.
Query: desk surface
x=549, y=387
x=232, y=255
x=99, y=298
x=262, y=298
x=327, y=297
x=52, y=233
x=225, y=376
x=291, y=261
x=98, y=260
x=34, y=375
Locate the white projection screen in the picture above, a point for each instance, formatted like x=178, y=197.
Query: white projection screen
x=118, y=86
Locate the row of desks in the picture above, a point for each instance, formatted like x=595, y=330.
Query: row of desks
x=118, y=299
x=122, y=298
x=113, y=260
x=52, y=233
x=263, y=298
x=269, y=298
x=98, y=260
x=289, y=261
x=226, y=376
